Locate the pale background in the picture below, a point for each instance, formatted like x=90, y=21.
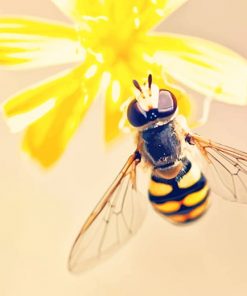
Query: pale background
x=41, y=213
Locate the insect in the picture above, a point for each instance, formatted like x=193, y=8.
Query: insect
x=178, y=189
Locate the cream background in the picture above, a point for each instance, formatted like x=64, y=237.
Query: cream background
x=41, y=213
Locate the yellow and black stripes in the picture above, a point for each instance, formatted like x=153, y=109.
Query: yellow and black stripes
x=183, y=198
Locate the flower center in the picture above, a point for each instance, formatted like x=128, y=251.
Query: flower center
x=109, y=43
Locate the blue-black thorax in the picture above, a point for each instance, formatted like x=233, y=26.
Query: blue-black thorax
x=162, y=146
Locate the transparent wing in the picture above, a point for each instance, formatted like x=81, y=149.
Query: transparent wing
x=115, y=218
x=228, y=168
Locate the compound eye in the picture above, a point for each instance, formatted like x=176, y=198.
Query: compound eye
x=136, y=115
x=167, y=104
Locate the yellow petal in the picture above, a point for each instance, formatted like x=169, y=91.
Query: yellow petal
x=140, y=14
x=204, y=66
x=46, y=139
x=55, y=110
x=26, y=42
x=26, y=107
x=84, y=10
x=118, y=91
x=154, y=11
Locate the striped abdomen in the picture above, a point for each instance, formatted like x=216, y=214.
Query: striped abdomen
x=183, y=198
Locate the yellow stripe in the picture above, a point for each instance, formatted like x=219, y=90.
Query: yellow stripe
x=193, y=175
x=196, y=197
x=178, y=218
x=198, y=211
x=159, y=189
x=190, y=216
x=168, y=207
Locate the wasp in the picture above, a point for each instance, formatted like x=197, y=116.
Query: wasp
x=178, y=188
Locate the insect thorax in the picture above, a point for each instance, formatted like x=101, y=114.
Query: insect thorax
x=161, y=145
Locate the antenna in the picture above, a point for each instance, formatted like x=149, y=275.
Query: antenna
x=137, y=85
x=150, y=81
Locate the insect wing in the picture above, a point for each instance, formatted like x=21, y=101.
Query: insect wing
x=228, y=169
x=114, y=220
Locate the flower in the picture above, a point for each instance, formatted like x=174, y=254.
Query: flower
x=113, y=37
